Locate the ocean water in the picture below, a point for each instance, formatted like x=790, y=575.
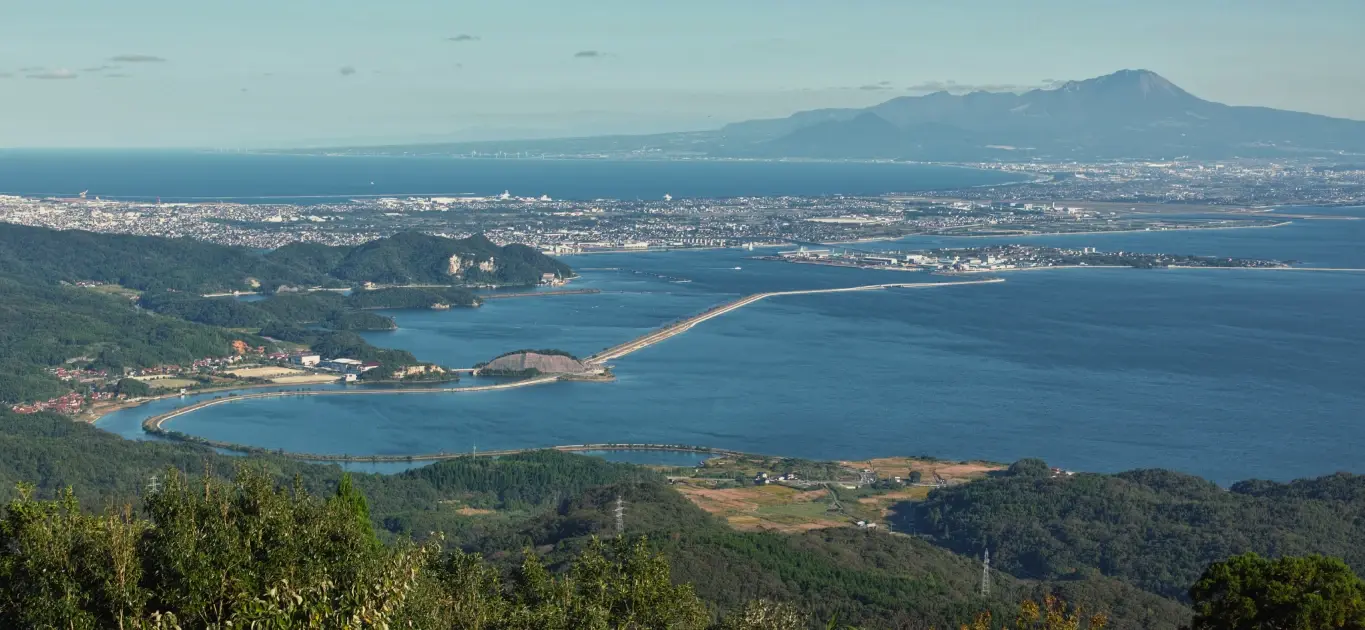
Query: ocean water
x=1228, y=374
x=185, y=176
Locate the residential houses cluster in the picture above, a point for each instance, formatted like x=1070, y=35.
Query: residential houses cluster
x=69, y=403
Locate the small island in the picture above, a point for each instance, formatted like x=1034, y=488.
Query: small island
x=536, y=363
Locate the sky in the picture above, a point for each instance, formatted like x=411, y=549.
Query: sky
x=278, y=73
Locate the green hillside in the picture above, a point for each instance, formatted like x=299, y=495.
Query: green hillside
x=152, y=263
x=1155, y=529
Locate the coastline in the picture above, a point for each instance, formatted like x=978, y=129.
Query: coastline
x=92, y=416
x=886, y=239
x=1093, y=232
x=154, y=424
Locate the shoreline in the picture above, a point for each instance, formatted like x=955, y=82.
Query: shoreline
x=884, y=239
x=91, y=416
x=154, y=424
x=1094, y=232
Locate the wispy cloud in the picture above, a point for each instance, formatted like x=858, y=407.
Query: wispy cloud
x=6, y=75
x=880, y=85
x=463, y=37
x=136, y=59
x=59, y=73
x=118, y=75
x=32, y=69
x=589, y=54
x=99, y=69
x=347, y=71
x=959, y=88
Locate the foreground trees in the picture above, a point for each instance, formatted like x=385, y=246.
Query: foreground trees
x=209, y=553
x=1251, y=592
x=245, y=554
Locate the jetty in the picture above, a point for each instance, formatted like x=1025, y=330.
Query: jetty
x=529, y=294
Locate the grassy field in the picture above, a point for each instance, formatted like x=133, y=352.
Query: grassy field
x=770, y=507
x=169, y=383
x=723, y=487
x=114, y=289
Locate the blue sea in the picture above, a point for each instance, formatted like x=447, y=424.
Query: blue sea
x=301, y=179
x=1227, y=374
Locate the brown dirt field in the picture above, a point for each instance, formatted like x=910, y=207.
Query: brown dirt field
x=304, y=379
x=469, y=511
x=901, y=467
x=265, y=372
x=740, y=506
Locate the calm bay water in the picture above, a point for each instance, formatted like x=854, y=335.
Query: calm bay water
x=1229, y=374
x=177, y=176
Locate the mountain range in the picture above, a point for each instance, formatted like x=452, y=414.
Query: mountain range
x=1127, y=114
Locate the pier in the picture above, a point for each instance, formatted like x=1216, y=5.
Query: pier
x=528, y=294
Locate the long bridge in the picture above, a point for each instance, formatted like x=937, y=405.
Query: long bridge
x=680, y=327
x=155, y=425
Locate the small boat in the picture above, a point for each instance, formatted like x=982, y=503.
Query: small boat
x=738, y=268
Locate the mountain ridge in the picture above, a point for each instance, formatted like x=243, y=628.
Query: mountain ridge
x=1129, y=114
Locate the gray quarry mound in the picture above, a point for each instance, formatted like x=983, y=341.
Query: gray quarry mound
x=545, y=363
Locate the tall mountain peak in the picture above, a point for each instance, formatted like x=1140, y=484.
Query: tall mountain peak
x=1133, y=83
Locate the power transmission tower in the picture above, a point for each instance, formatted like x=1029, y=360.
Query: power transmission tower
x=153, y=485
x=986, y=574
x=620, y=516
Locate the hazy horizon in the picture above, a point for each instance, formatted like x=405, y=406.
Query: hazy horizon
x=154, y=73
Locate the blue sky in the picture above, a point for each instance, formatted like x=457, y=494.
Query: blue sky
x=244, y=73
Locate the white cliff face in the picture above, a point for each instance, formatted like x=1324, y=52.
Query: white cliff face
x=455, y=266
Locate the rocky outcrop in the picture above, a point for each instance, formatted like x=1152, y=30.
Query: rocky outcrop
x=523, y=362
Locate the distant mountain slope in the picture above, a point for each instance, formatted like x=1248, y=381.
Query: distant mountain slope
x=1127, y=114
x=1131, y=113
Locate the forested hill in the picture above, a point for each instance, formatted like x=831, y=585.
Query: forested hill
x=145, y=263
x=1153, y=528
x=42, y=326
x=412, y=258
x=152, y=263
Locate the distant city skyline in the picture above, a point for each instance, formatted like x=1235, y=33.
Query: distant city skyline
x=157, y=73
